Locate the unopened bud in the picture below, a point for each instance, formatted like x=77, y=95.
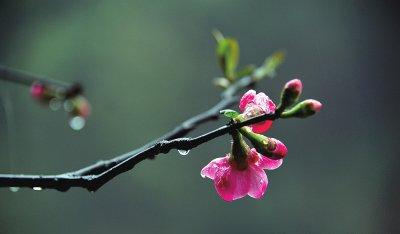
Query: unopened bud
x=269, y=147
x=303, y=109
x=37, y=90
x=290, y=93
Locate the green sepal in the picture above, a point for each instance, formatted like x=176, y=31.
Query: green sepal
x=239, y=151
x=230, y=113
x=261, y=143
x=301, y=110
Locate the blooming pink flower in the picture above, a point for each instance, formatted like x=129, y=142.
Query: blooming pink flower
x=232, y=183
x=252, y=104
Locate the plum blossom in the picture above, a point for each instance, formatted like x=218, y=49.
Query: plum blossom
x=253, y=104
x=233, y=182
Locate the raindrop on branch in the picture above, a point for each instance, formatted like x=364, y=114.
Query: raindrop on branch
x=55, y=104
x=14, y=189
x=183, y=152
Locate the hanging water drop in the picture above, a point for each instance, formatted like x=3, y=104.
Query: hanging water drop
x=55, y=104
x=37, y=188
x=183, y=152
x=14, y=189
x=77, y=123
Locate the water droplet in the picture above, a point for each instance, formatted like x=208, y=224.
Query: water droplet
x=14, y=189
x=55, y=104
x=68, y=106
x=183, y=152
x=37, y=188
x=77, y=123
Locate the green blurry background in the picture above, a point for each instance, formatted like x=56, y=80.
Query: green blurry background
x=147, y=65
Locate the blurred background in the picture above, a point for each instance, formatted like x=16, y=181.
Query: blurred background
x=148, y=65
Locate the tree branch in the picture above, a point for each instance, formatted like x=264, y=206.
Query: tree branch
x=93, y=182
x=27, y=79
x=96, y=175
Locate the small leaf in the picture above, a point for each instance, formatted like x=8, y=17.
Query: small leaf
x=228, y=56
x=270, y=65
x=229, y=113
x=246, y=71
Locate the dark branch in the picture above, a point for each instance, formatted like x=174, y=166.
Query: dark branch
x=93, y=182
x=94, y=176
x=25, y=78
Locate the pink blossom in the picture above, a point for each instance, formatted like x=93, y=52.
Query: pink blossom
x=232, y=183
x=252, y=104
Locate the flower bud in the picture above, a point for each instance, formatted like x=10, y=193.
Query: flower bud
x=303, y=109
x=37, y=90
x=79, y=106
x=290, y=93
x=269, y=147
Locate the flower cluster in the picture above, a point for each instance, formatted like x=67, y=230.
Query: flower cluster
x=241, y=172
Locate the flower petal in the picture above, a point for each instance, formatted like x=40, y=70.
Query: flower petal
x=211, y=168
x=232, y=184
x=247, y=98
x=262, y=126
x=258, y=182
x=264, y=102
x=270, y=164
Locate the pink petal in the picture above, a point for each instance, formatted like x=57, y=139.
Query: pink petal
x=247, y=98
x=258, y=182
x=211, y=168
x=259, y=161
x=262, y=126
x=270, y=164
x=232, y=184
x=265, y=103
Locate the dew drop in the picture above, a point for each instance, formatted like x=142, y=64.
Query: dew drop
x=55, y=104
x=37, y=188
x=68, y=106
x=183, y=152
x=14, y=189
x=77, y=123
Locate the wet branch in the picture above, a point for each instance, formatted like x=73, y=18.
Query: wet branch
x=96, y=175
x=93, y=182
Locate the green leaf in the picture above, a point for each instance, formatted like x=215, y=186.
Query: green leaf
x=246, y=71
x=228, y=56
x=229, y=113
x=270, y=65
